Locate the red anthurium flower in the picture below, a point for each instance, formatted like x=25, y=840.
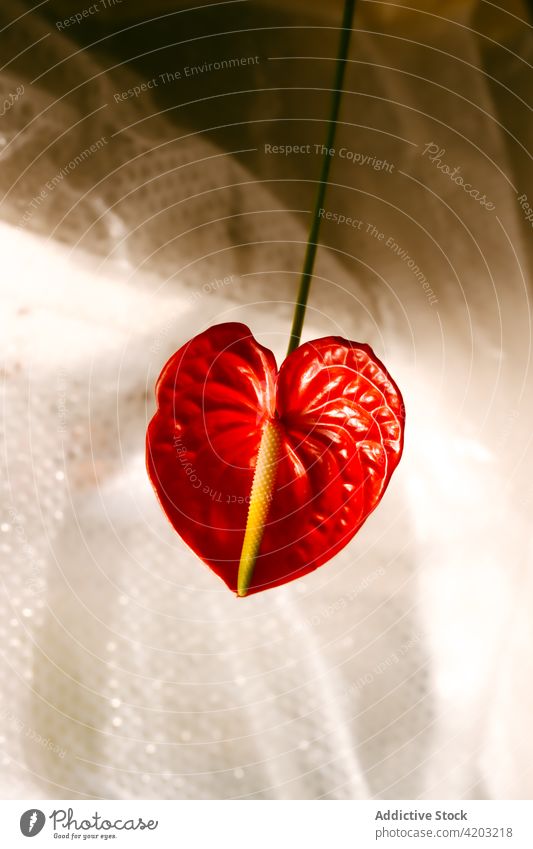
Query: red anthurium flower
x=267, y=474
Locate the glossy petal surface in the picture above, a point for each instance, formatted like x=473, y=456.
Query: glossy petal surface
x=342, y=420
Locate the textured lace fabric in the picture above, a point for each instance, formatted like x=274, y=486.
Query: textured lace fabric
x=399, y=669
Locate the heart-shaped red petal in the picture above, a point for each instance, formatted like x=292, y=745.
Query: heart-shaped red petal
x=340, y=420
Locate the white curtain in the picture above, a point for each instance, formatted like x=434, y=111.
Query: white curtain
x=401, y=669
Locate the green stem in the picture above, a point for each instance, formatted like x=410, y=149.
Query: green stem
x=268, y=456
x=312, y=241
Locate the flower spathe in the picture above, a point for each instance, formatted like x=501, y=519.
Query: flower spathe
x=330, y=426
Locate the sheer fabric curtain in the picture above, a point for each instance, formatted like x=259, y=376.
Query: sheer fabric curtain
x=399, y=670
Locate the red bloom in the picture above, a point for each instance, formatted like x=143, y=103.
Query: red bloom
x=334, y=422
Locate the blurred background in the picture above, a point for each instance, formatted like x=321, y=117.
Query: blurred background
x=149, y=188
